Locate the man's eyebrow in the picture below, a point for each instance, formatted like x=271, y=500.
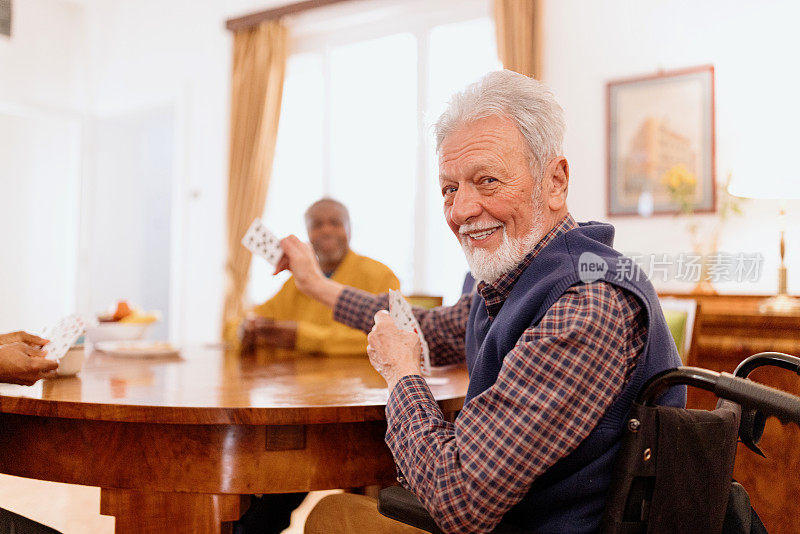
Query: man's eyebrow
x=472, y=170
x=482, y=168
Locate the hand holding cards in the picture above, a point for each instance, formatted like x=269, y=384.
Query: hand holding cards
x=403, y=317
x=22, y=361
x=260, y=241
x=63, y=335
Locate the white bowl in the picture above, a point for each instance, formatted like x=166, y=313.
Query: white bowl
x=115, y=331
x=70, y=364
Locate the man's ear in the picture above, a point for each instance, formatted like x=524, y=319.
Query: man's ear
x=556, y=182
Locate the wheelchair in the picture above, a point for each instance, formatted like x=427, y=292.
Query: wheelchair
x=673, y=472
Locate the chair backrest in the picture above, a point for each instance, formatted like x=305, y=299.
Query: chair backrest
x=681, y=316
x=673, y=471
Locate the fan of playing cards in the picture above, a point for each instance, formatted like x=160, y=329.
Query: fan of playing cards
x=63, y=335
x=259, y=240
x=403, y=317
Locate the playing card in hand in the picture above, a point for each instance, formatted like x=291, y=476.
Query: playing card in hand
x=262, y=242
x=403, y=317
x=63, y=335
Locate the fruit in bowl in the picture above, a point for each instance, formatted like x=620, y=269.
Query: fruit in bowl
x=125, y=323
x=123, y=313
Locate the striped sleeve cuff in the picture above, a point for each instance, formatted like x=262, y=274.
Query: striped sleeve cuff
x=411, y=413
x=409, y=398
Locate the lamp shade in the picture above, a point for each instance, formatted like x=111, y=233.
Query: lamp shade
x=768, y=178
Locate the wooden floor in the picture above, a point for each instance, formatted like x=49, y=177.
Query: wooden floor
x=75, y=509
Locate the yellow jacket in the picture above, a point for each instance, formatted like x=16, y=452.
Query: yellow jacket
x=316, y=329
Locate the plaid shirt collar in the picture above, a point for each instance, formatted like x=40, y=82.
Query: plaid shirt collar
x=496, y=293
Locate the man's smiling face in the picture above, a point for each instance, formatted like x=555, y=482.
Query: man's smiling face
x=492, y=201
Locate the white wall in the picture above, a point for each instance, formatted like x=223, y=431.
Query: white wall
x=42, y=92
x=42, y=64
x=753, y=47
x=39, y=213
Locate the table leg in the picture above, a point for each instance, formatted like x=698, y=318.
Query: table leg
x=138, y=512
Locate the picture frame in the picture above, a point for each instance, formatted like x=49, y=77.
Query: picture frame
x=661, y=143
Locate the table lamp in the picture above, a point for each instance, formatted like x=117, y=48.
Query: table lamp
x=779, y=189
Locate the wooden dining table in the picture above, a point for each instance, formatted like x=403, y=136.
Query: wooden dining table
x=177, y=444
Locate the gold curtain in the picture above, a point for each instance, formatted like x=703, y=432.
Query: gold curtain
x=259, y=64
x=519, y=35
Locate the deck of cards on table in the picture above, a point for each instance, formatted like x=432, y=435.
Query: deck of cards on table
x=259, y=240
x=63, y=335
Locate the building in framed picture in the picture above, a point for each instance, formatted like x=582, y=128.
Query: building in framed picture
x=5, y=18
x=661, y=143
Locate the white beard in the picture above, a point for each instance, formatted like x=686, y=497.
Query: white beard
x=489, y=265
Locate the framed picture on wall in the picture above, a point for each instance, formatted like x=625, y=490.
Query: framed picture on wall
x=660, y=135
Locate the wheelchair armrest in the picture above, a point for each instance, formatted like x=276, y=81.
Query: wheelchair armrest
x=398, y=503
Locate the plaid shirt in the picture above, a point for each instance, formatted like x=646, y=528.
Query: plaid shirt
x=553, y=388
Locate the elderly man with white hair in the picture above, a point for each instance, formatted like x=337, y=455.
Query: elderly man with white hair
x=558, y=339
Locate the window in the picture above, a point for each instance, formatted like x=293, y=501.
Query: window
x=373, y=149
x=355, y=125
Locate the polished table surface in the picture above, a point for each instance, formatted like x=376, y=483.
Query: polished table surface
x=207, y=385
x=178, y=440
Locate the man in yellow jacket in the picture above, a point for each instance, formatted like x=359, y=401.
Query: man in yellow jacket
x=291, y=320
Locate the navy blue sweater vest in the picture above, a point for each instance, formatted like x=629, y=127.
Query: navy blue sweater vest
x=570, y=496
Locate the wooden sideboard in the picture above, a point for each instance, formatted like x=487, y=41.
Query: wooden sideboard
x=728, y=329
